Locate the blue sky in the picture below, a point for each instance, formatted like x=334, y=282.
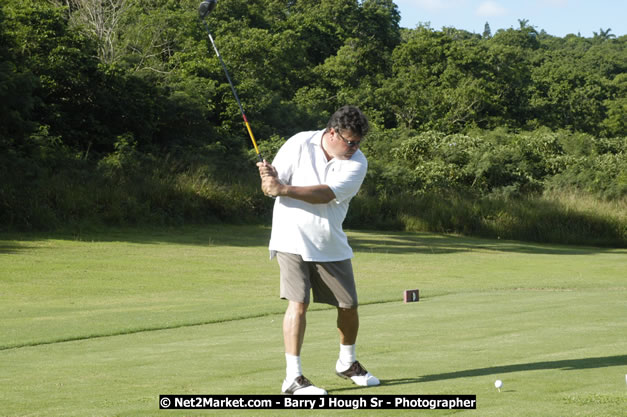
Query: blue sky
x=556, y=17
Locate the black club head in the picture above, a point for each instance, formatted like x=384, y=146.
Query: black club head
x=206, y=7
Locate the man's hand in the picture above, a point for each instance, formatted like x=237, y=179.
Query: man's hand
x=272, y=187
x=270, y=184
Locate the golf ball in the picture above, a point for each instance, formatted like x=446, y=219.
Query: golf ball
x=498, y=384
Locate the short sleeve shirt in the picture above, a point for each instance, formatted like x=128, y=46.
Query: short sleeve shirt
x=314, y=231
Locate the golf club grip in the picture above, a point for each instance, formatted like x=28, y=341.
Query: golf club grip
x=252, y=137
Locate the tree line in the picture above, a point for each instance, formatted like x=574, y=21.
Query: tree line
x=120, y=107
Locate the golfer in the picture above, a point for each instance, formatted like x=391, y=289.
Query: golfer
x=313, y=177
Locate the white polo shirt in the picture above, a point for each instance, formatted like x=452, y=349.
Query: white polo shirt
x=314, y=231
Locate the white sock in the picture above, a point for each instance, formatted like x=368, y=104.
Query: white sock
x=293, y=367
x=347, y=355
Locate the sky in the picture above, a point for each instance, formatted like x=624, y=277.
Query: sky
x=556, y=17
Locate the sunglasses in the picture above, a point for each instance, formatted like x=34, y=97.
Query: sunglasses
x=350, y=143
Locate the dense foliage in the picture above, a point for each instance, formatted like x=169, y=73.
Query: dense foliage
x=117, y=111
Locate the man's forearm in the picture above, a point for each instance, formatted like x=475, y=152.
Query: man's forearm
x=313, y=194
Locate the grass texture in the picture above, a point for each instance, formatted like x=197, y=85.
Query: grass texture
x=101, y=323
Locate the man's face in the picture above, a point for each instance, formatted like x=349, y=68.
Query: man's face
x=343, y=144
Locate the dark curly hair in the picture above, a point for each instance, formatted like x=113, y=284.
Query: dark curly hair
x=349, y=118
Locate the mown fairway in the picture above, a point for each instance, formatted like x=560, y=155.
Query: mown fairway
x=101, y=323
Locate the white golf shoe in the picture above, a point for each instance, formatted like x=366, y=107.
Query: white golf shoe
x=357, y=374
x=301, y=386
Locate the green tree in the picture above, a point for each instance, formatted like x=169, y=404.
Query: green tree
x=566, y=94
x=603, y=35
x=17, y=86
x=66, y=68
x=615, y=123
x=487, y=32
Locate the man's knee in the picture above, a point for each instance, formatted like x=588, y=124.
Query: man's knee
x=296, y=308
x=347, y=311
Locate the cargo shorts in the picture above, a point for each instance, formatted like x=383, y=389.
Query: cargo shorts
x=331, y=283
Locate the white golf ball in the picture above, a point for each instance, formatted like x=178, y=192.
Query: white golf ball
x=498, y=384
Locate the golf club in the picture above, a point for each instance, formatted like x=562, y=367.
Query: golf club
x=205, y=8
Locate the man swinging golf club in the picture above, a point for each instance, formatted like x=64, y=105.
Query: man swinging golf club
x=313, y=177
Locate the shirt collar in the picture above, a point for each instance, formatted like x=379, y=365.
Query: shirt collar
x=317, y=140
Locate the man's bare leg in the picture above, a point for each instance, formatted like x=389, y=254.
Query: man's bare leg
x=347, y=365
x=294, y=324
x=347, y=325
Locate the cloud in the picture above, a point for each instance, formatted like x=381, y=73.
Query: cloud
x=490, y=9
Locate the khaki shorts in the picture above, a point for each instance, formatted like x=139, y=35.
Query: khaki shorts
x=331, y=282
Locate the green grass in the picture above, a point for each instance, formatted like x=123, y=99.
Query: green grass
x=100, y=323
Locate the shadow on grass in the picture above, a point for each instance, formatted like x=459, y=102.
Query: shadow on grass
x=9, y=247
x=429, y=243
x=564, y=365
x=259, y=235
x=204, y=235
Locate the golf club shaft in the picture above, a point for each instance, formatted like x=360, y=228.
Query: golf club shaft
x=226, y=72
